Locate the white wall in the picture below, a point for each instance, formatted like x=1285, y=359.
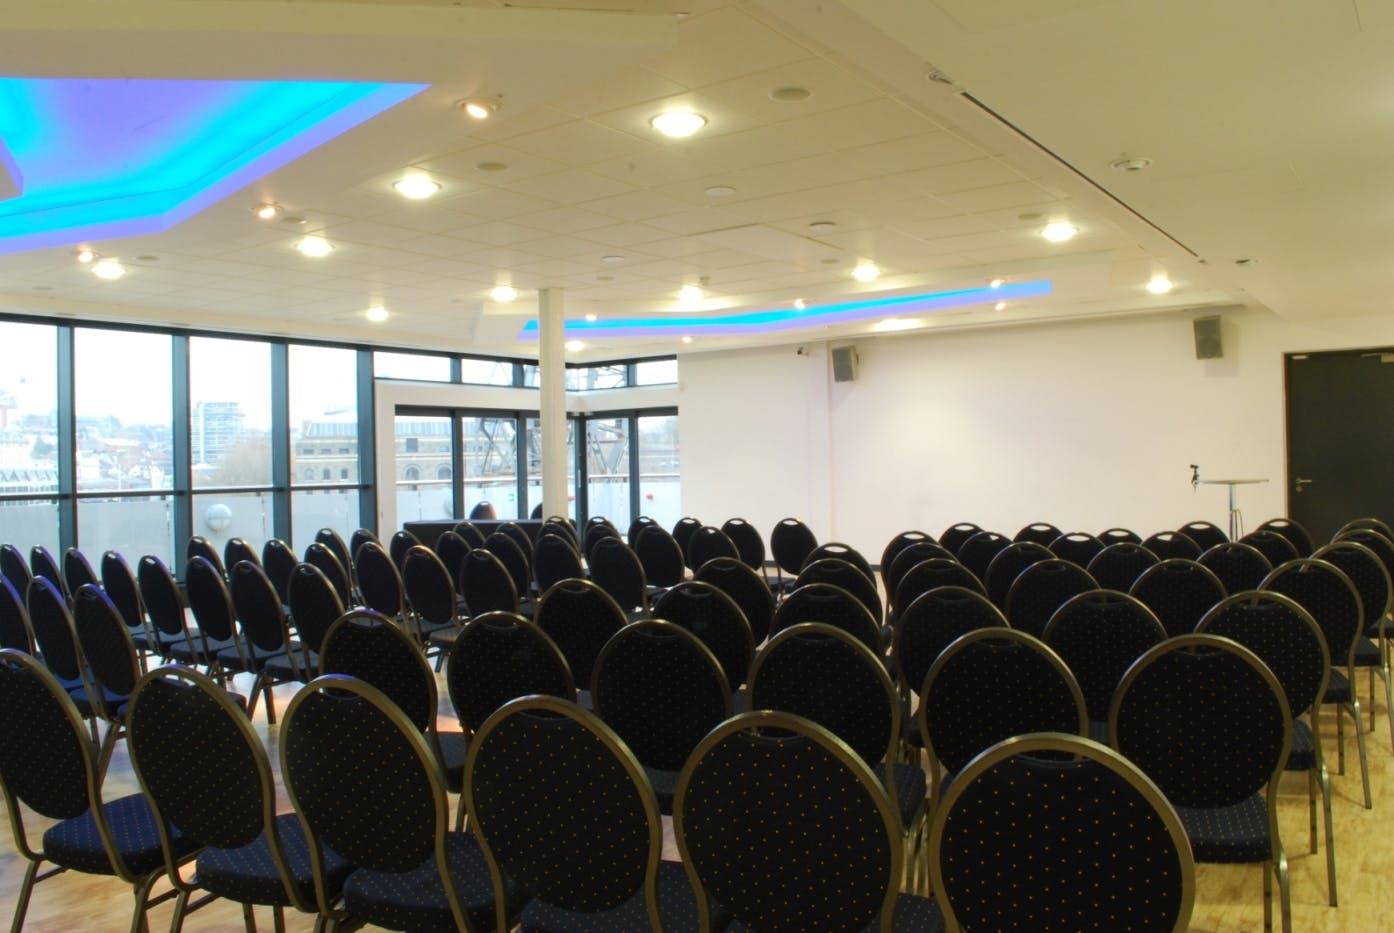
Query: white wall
x=1086, y=425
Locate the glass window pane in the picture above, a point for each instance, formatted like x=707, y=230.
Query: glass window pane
x=532, y=375
x=411, y=366
x=660, y=482
x=490, y=464
x=607, y=469
x=229, y=412
x=134, y=527
x=535, y=466
x=424, y=466
x=220, y=516
x=123, y=405
x=28, y=416
x=655, y=372
x=30, y=522
x=313, y=509
x=323, y=416
x=487, y=372
x=596, y=377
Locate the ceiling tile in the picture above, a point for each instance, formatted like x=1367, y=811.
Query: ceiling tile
x=717, y=45
x=995, y=197
x=571, y=187
x=583, y=141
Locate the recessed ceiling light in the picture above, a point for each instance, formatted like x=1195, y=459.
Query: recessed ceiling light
x=85, y=256
x=997, y=283
x=895, y=323
x=1000, y=306
x=678, y=123
x=1029, y=215
x=591, y=318
x=686, y=338
x=316, y=247
x=612, y=259
x=295, y=219
x=1059, y=231
x=790, y=95
x=266, y=211
x=416, y=187
x=866, y=272
x=690, y=294
x=1159, y=284
x=1128, y=164
x=719, y=191
x=800, y=304
x=377, y=314
x=108, y=269
x=503, y=293
x=480, y=108
x=491, y=166
x=574, y=346
x=822, y=226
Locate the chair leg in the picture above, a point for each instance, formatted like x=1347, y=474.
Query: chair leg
x=1360, y=745
x=1324, y=783
x=278, y=918
x=270, y=701
x=1383, y=673
x=108, y=746
x=25, y=889
x=1312, y=811
x=139, y=922
x=1340, y=742
x=1268, y=897
x=181, y=906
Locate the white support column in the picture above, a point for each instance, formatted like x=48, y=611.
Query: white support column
x=551, y=373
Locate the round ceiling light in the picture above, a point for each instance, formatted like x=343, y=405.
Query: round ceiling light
x=85, y=256
x=690, y=294
x=575, y=346
x=1059, y=231
x=503, y=293
x=416, y=187
x=377, y=314
x=719, y=191
x=1159, y=284
x=866, y=272
x=678, y=124
x=266, y=211
x=108, y=269
x=316, y=247
x=480, y=108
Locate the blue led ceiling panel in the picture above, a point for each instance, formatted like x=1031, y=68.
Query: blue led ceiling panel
x=94, y=159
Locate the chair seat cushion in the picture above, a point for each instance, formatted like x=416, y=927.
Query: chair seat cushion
x=248, y=875
x=256, y=657
x=415, y=900
x=665, y=785
x=1237, y=833
x=453, y=750
x=75, y=843
x=1367, y=654
x=1337, y=688
x=279, y=667
x=1303, y=754
x=911, y=785
x=677, y=907
x=181, y=651
x=913, y=914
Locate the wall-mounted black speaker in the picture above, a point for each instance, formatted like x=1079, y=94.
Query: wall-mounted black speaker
x=844, y=364
x=1207, y=334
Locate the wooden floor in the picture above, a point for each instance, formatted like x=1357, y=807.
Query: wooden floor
x=1228, y=897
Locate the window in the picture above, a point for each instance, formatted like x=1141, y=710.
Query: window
x=230, y=418
x=607, y=469
x=656, y=372
x=660, y=487
x=343, y=473
x=322, y=389
x=419, y=366
x=489, y=463
x=411, y=474
x=486, y=372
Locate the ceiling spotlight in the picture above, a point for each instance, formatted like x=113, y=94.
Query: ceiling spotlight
x=316, y=247
x=480, y=108
x=612, y=259
x=689, y=294
x=266, y=211
x=416, y=187
x=1129, y=164
x=1059, y=231
x=1159, y=284
x=800, y=304
x=575, y=346
x=85, y=256
x=1000, y=306
x=719, y=191
x=892, y=324
x=377, y=314
x=503, y=293
x=686, y=338
x=997, y=283
x=866, y=272
x=591, y=318
x=108, y=269
x=678, y=123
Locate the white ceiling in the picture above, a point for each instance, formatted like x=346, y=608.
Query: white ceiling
x=1268, y=126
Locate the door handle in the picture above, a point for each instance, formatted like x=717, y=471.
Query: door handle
x=1299, y=482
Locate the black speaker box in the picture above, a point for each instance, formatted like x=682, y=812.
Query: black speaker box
x=844, y=364
x=1207, y=334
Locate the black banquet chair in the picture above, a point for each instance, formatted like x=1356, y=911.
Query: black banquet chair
x=1239, y=566
x=1119, y=565
x=1179, y=592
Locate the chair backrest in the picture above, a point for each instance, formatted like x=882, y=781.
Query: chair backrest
x=554, y=558
x=562, y=808
x=910, y=555
x=824, y=602
x=209, y=600
x=1010, y=561
x=636, y=528
x=990, y=685
x=749, y=544
x=683, y=530
x=716, y=619
x=360, y=537
x=77, y=570
x=1169, y=544
x=1119, y=536
x=500, y=656
x=314, y=605
x=162, y=598
x=398, y=545
x=979, y=551
x=106, y=646
x=931, y=622
x=790, y=543
x=1040, y=532
x=747, y=587
x=16, y=631
x=1277, y=548
x=519, y=537
x=485, y=583
x=843, y=552
x=762, y=851
x=379, y=580
x=519, y=565
x=200, y=546
x=260, y=612
x=595, y=532
x=954, y=536
x=1239, y=566
x=1366, y=571
x=661, y=689
x=15, y=568
x=1041, y=589
x=120, y=585
x=372, y=648
x=1283, y=635
x=1178, y=591
x=617, y=570
x=1118, y=565
x=42, y=564
x=580, y=618
x=1022, y=833
x=1078, y=547
x=471, y=533
x=53, y=630
x=365, y=781
x=1205, y=719
x=1297, y=535
x=847, y=575
x=707, y=543
x=930, y=575
x=1324, y=590
x=335, y=542
x=660, y=555
x=429, y=587
x=451, y=548
x=1365, y=524
x=1099, y=634
x=1205, y=534
x=279, y=561
x=321, y=555
x=235, y=551
x=897, y=544
x=1376, y=541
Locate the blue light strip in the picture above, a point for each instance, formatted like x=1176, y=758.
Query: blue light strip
x=773, y=321
x=109, y=158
